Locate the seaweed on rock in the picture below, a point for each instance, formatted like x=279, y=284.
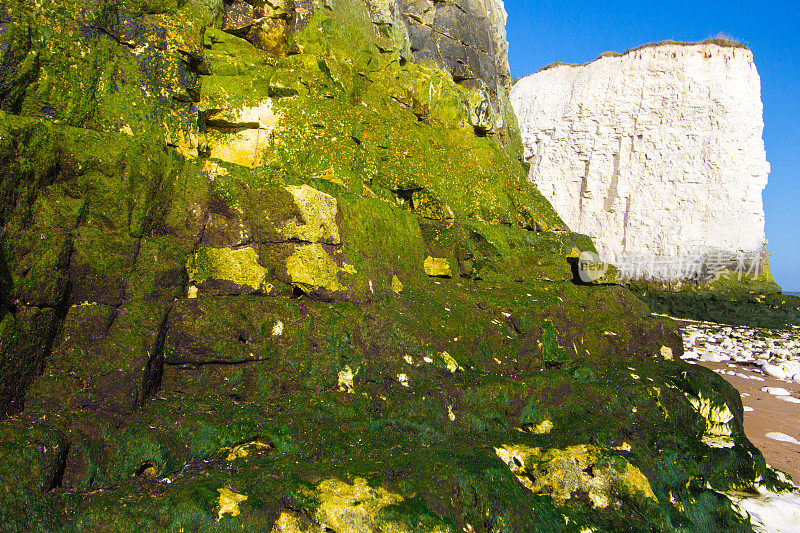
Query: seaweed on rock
x=216, y=314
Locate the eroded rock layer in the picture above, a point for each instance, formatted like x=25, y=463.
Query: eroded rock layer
x=656, y=153
x=286, y=283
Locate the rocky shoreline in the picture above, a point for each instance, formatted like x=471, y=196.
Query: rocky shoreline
x=751, y=303
x=262, y=271
x=764, y=366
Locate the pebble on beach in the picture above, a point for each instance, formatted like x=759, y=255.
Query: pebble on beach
x=757, y=351
x=783, y=437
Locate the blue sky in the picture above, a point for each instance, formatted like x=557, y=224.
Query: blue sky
x=544, y=31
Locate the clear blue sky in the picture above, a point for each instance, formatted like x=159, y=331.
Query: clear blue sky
x=543, y=31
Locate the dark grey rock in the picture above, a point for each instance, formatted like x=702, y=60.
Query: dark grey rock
x=238, y=18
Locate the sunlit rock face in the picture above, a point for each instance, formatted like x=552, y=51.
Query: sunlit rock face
x=260, y=270
x=467, y=37
x=657, y=154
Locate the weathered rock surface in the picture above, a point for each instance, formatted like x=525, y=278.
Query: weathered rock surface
x=226, y=304
x=656, y=153
x=467, y=38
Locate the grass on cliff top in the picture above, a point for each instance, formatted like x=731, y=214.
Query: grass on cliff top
x=721, y=41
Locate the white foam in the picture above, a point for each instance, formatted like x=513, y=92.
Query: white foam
x=772, y=512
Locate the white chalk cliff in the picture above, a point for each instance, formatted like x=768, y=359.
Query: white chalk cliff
x=657, y=153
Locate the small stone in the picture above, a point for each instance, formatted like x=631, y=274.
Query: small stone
x=776, y=391
x=782, y=437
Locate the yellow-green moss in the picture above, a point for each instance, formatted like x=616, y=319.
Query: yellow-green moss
x=319, y=216
x=450, y=363
x=228, y=502
x=543, y=428
x=346, y=508
x=245, y=449
x=397, y=285
x=311, y=268
x=437, y=266
x=226, y=264
x=559, y=473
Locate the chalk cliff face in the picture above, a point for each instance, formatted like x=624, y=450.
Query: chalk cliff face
x=657, y=154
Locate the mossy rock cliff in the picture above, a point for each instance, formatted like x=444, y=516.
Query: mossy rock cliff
x=260, y=270
x=729, y=298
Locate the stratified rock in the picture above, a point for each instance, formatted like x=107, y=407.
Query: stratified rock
x=656, y=153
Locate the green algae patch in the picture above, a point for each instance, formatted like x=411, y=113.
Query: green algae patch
x=552, y=352
x=239, y=267
x=311, y=268
x=560, y=473
x=109, y=66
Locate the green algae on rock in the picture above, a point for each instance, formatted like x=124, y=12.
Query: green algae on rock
x=216, y=312
x=240, y=267
x=728, y=299
x=560, y=473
